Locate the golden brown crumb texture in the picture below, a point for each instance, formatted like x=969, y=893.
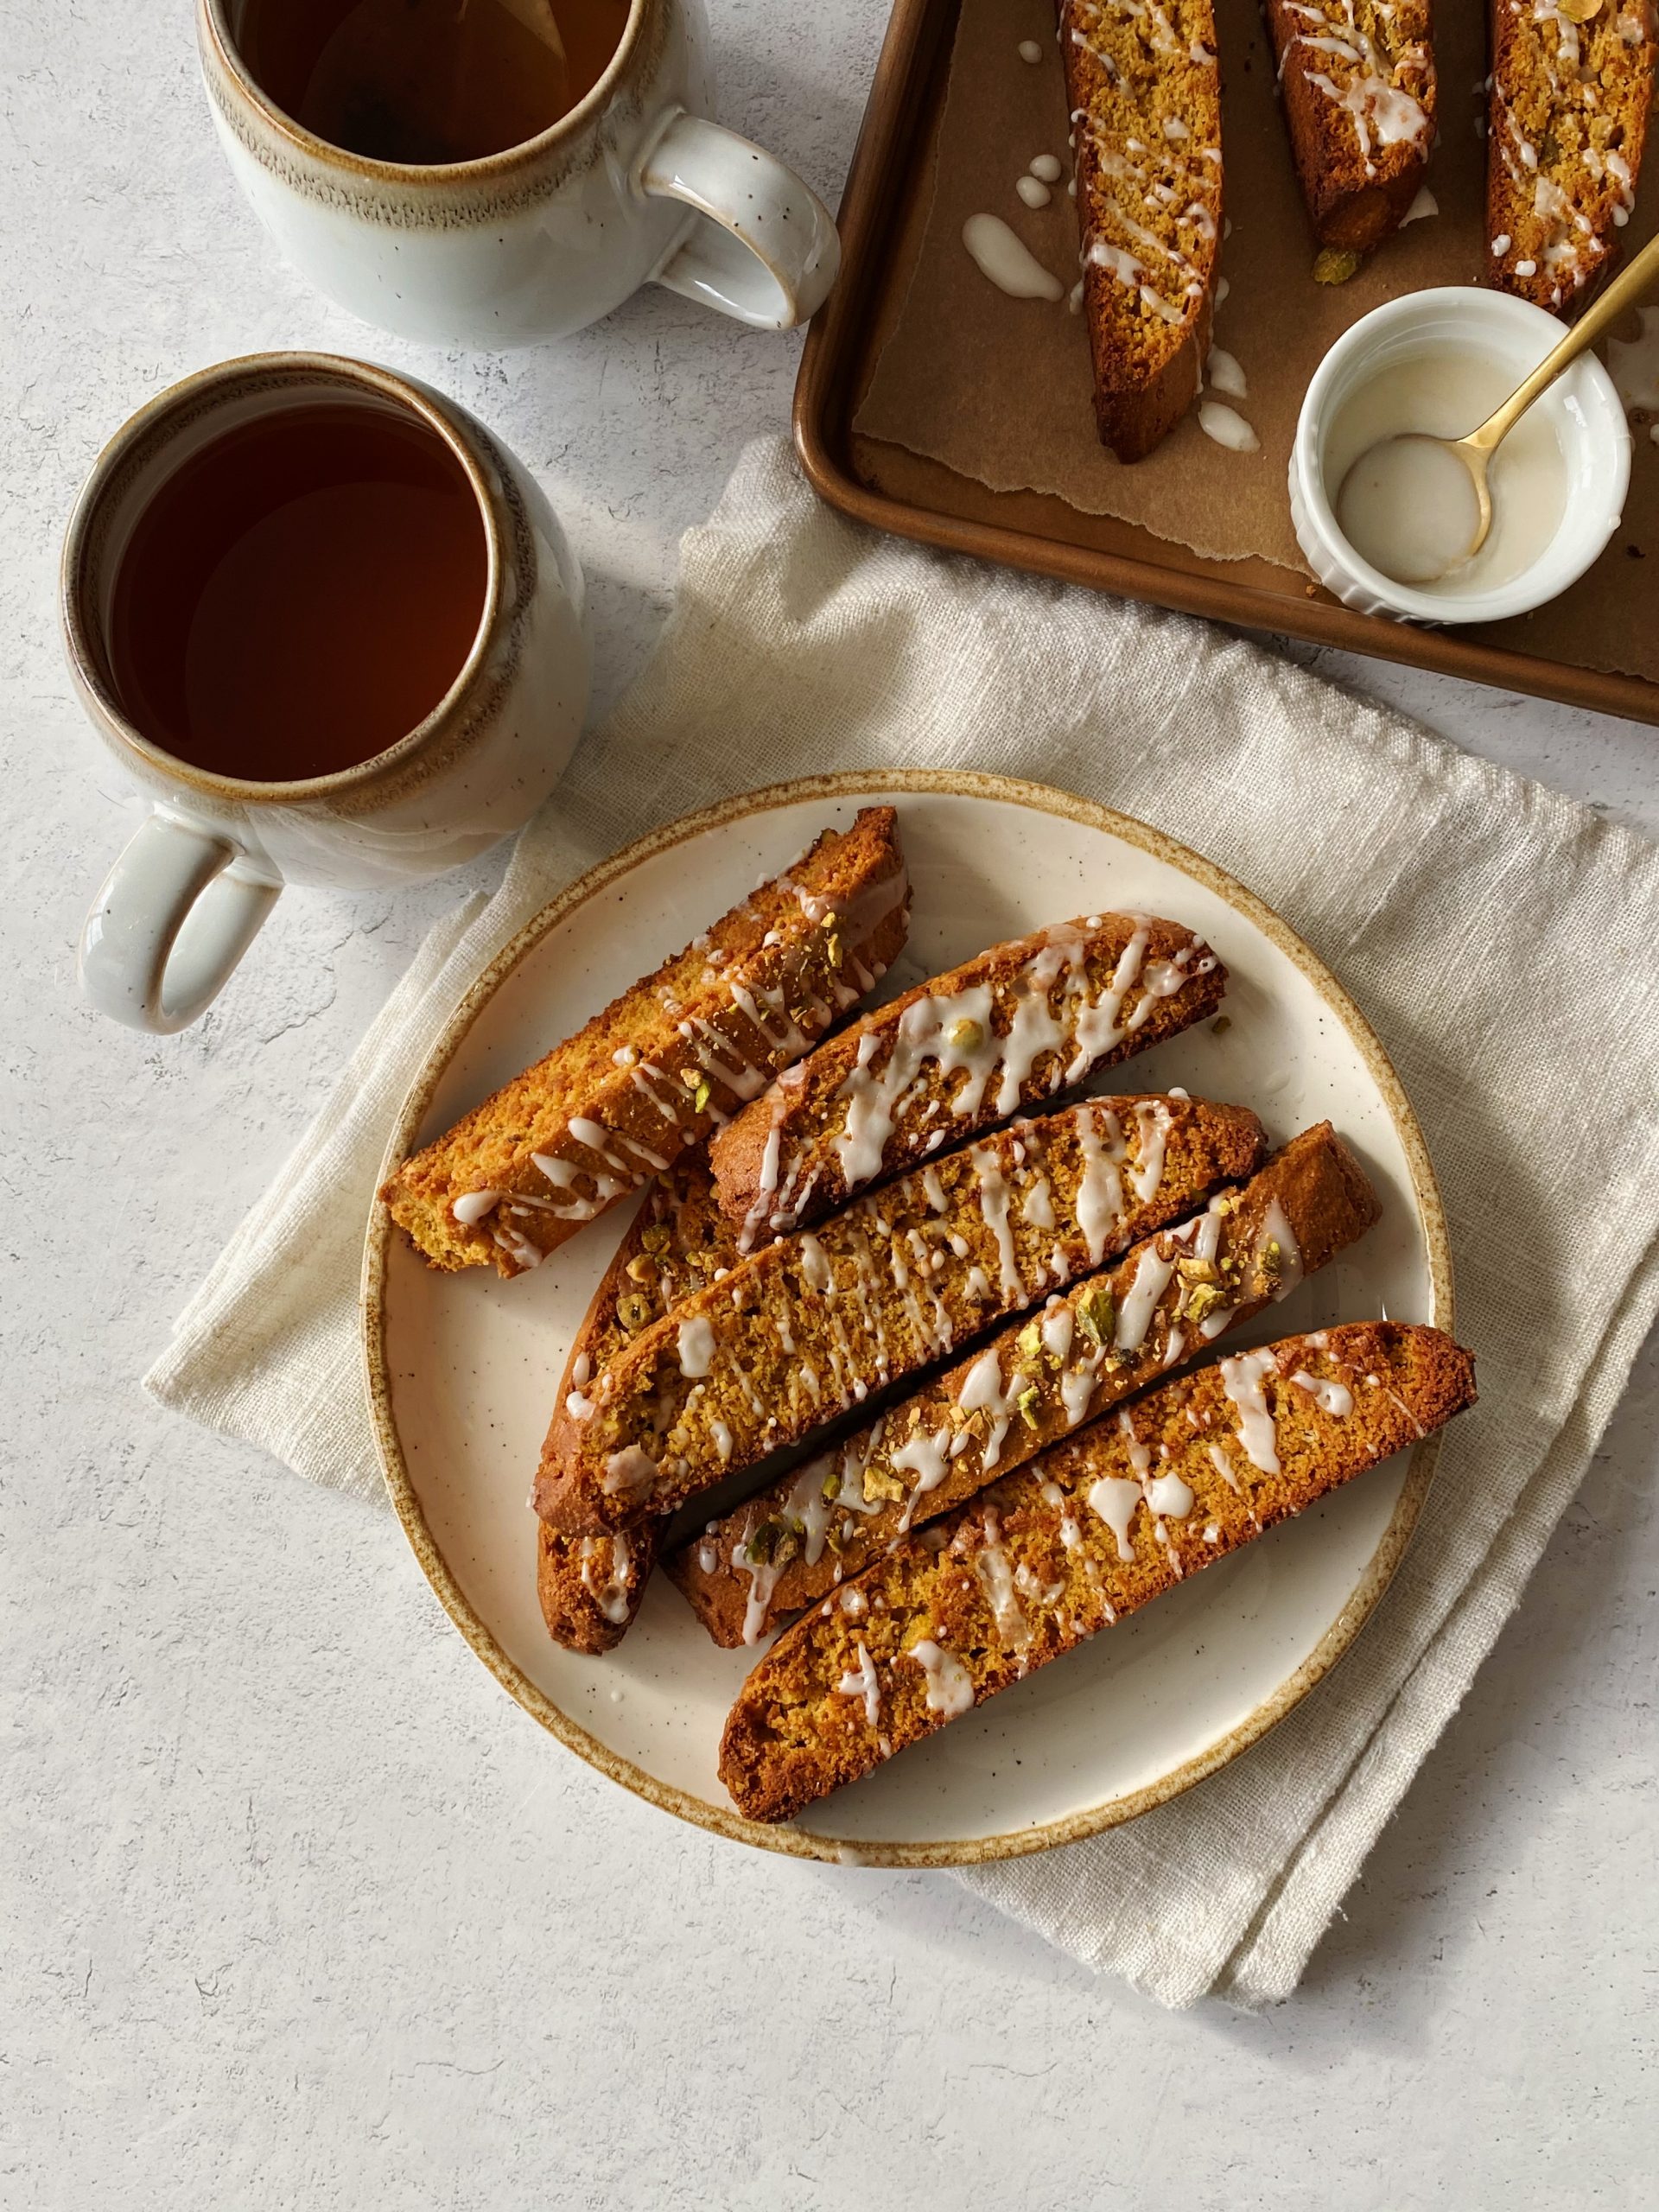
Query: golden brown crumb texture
x=1145, y=94
x=673, y=1059
x=1086, y=1534
x=1572, y=86
x=1003, y=1032
x=804, y=1330
x=1108, y=1336
x=590, y=1587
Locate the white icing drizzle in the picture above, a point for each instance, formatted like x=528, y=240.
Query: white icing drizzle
x=1227, y=427
x=612, y=1595
x=470, y=1208
x=1140, y=1302
x=867, y=1684
x=1225, y=373
x=998, y=254
x=994, y=1206
x=950, y=1686
x=1242, y=1378
x=1331, y=1397
x=991, y=1571
x=1168, y=1495
x=697, y=1346
x=629, y=1471
x=1115, y=1500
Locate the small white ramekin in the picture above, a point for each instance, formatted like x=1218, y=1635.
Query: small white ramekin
x=1584, y=407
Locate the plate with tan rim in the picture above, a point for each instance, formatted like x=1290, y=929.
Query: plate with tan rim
x=462, y=1368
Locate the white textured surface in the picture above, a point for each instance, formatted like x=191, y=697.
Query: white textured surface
x=298, y=1909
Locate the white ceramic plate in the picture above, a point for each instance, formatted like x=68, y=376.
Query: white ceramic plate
x=462, y=1369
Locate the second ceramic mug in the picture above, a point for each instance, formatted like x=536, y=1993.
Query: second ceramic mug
x=185, y=900
x=634, y=186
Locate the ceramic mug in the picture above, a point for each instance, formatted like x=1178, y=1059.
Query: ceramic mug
x=634, y=186
x=185, y=900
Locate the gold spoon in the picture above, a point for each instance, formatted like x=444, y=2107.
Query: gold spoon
x=1475, y=452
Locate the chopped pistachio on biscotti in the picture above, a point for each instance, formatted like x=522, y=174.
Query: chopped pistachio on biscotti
x=1094, y=1529
x=804, y=1331
x=1001, y=1032
x=661, y=1066
x=1097, y=1343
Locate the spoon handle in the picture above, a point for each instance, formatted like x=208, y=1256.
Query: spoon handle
x=1626, y=289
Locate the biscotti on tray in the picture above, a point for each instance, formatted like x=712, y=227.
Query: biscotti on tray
x=590, y=1586
x=804, y=1329
x=1033, y=1383
x=1357, y=77
x=1144, y=91
x=1001, y=1032
x=668, y=1061
x=1567, y=122
x=1094, y=1529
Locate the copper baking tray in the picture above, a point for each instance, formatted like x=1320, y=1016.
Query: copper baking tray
x=882, y=213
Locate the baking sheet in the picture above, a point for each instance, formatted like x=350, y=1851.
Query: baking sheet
x=998, y=389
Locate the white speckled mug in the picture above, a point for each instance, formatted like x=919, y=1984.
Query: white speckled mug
x=632, y=186
x=184, y=901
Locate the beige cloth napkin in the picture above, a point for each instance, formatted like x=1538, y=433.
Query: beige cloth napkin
x=1501, y=938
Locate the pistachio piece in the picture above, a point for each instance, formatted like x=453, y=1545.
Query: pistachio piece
x=966, y=1036
x=880, y=1484
x=702, y=1095
x=656, y=1238
x=1578, y=11
x=1030, y=1340
x=641, y=1269
x=1335, y=266
x=1203, y=1299
x=1027, y=1404
x=633, y=1311
x=1271, y=1261
x=1098, y=1313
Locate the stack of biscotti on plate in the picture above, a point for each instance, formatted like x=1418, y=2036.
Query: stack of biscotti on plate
x=1572, y=86
x=1357, y=77
x=968, y=1309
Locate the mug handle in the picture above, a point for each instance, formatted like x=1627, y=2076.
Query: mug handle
x=768, y=251
x=176, y=912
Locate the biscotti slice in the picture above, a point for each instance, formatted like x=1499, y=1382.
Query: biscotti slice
x=1572, y=85
x=1145, y=95
x=670, y=1059
x=1357, y=77
x=805, y=1329
x=1087, y=1533
x=1035, y=1382
x=590, y=1587
x=956, y=1054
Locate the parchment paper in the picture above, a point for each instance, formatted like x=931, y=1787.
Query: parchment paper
x=999, y=389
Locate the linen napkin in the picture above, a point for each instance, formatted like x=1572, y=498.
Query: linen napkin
x=1499, y=936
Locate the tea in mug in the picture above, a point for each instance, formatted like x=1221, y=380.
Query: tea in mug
x=428, y=81
x=300, y=593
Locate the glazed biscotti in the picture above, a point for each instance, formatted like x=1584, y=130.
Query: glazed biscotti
x=1095, y=1528
x=805, y=1329
x=665, y=1063
x=1002, y=1032
x=1144, y=91
x=1572, y=86
x=1357, y=77
x=1035, y=1382
x=590, y=1587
